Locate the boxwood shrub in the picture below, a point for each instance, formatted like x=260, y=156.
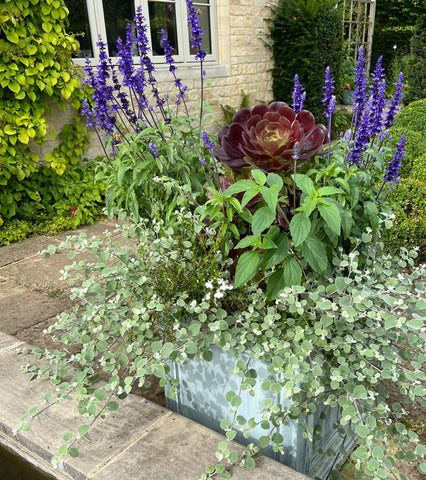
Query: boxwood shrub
x=413, y=116
x=415, y=146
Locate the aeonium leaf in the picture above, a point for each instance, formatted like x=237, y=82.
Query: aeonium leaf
x=247, y=267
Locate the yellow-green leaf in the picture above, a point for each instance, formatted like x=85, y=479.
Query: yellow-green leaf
x=14, y=87
x=9, y=130
x=12, y=37
x=47, y=27
x=23, y=137
x=31, y=49
x=66, y=93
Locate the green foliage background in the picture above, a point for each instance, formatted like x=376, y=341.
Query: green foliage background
x=36, y=75
x=394, y=25
x=410, y=194
x=305, y=39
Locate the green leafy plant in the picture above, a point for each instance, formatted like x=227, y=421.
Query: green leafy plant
x=62, y=202
x=341, y=340
x=229, y=111
x=36, y=71
x=136, y=179
x=410, y=218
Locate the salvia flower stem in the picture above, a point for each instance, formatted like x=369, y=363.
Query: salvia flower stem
x=168, y=50
x=329, y=101
x=210, y=145
x=196, y=37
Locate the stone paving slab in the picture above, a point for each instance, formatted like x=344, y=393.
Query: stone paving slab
x=140, y=441
x=20, y=307
x=31, y=246
x=179, y=449
x=44, y=274
x=108, y=437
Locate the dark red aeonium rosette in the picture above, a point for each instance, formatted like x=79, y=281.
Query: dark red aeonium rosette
x=265, y=136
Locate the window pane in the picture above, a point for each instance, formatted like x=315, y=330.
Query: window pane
x=117, y=15
x=204, y=16
x=79, y=25
x=162, y=16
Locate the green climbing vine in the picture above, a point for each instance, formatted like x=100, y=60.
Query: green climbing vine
x=36, y=73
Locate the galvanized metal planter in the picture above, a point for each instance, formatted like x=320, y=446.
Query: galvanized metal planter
x=203, y=386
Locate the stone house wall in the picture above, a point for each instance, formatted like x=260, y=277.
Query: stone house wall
x=244, y=65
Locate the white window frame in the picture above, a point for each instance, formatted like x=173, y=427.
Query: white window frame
x=97, y=27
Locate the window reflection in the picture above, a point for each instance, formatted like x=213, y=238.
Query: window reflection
x=80, y=27
x=162, y=16
x=117, y=15
x=204, y=17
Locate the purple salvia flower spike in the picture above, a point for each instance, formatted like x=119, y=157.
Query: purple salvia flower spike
x=362, y=136
x=360, y=95
x=391, y=173
x=195, y=36
x=154, y=150
x=378, y=94
x=207, y=142
x=329, y=101
x=298, y=95
x=196, y=31
x=396, y=99
x=328, y=94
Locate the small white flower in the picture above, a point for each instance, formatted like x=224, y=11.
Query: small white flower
x=209, y=285
x=218, y=294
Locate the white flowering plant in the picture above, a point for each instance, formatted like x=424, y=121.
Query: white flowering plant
x=342, y=341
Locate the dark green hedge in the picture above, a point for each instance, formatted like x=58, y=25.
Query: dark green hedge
x=416, y=65
x=409, y=228
x=306, y=37
x=413, y=117
x=384, y=40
